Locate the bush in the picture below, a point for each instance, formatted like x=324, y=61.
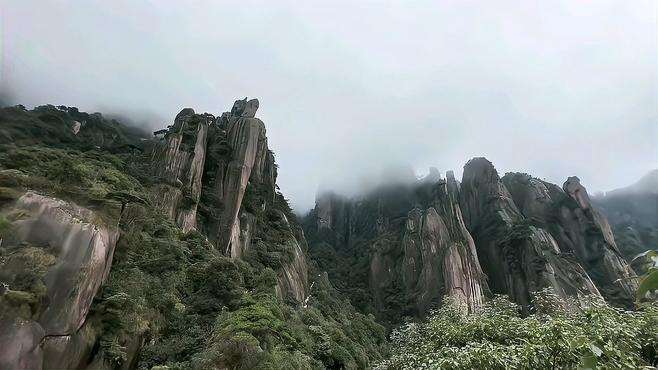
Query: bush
x=498, y=337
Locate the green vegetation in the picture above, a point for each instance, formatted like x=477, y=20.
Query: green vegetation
x=648, y=284
x=194, y=308
x=171, y=294
x=557, y=335
x=187, y=306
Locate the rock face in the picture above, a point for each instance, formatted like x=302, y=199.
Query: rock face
x=440, y=256
x=519, y=258
x=580, y=230
x=633, y=215
x=218, y=176
x=70, y=254
x=405, y=246
x=246, y=137
x=180, y=158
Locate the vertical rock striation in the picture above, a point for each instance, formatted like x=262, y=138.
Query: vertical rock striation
x=410, y=241
x=246, y=137
x=632, y=212
x=439, y=255
x=179, y=159
x=218, y=176
x=580, y=230
x=519, y=258
x=70, y=253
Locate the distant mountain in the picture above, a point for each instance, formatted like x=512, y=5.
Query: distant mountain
x=400, y=250
x=124, y=252
x=633, y=215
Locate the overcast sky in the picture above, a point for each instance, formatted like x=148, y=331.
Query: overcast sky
x=553, y=88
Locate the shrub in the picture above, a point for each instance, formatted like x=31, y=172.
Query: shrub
x=498, y=337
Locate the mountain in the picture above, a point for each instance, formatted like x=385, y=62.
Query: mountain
x=123, y=250
x=119, y=251
x=633, y=214
x=401, y=249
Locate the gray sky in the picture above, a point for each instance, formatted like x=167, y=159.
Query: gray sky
x=553, y=88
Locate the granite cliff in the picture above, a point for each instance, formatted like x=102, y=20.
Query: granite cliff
x=123, y=251
x=405, y=248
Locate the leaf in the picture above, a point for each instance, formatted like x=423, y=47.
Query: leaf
x=648, y=283
x=595, y=350
x=650, y=255
x=588, y=362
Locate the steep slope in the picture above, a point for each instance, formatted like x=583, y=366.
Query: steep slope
x=393, y=250
x=237, y=158
x=579, y=229
x=633, y=214
x=519, y=258
x=191, y=256
x=399, y=250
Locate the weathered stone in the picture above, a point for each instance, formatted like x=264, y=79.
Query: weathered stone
x=69, y=351
x=19, y=344
x=179, y=159
x=578, y=228
x=243, y=135
x=518, y=258
x=418, y=247
x=244, y=108
x=292, y=278
x=632, y=212
x=84, y=252
x=75, y=250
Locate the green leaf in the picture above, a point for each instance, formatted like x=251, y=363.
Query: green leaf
x=595, y=350
x=588, y=362
x=648, y=283
x=650, y=256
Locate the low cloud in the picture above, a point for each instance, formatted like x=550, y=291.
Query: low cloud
x=550, y=88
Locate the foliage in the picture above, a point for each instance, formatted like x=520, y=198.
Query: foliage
x=71, y=174
x=648, y=285
x=498, y=337
x=171, y=298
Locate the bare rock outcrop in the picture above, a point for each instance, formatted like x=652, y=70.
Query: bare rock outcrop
x=218, y=176
x=439, y=255
x=246, y=137
x=68, y=253
x=518, y=258
x=410, y=241
x=632, y=212
x=579, y=229
x=178, y=160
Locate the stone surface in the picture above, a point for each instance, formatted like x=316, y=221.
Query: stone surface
x=632, y=212
x=578, y=228
x=292, y=279
x=19, y=344
x=179, y=159
x=84, y=252
x=218, y=161
x=73, y=251
x=244, y=136
x=414, y=239
x=519, y=258
x=245, y=108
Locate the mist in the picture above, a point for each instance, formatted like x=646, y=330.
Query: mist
x=554, y=89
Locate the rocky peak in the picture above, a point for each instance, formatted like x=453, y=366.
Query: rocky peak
x=452, y=184
x=577, y=192
x=578, y=228
x=206, y=167
x=518, y=257
x=245, y=108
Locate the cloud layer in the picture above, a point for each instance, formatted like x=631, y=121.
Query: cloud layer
x=550, y=88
